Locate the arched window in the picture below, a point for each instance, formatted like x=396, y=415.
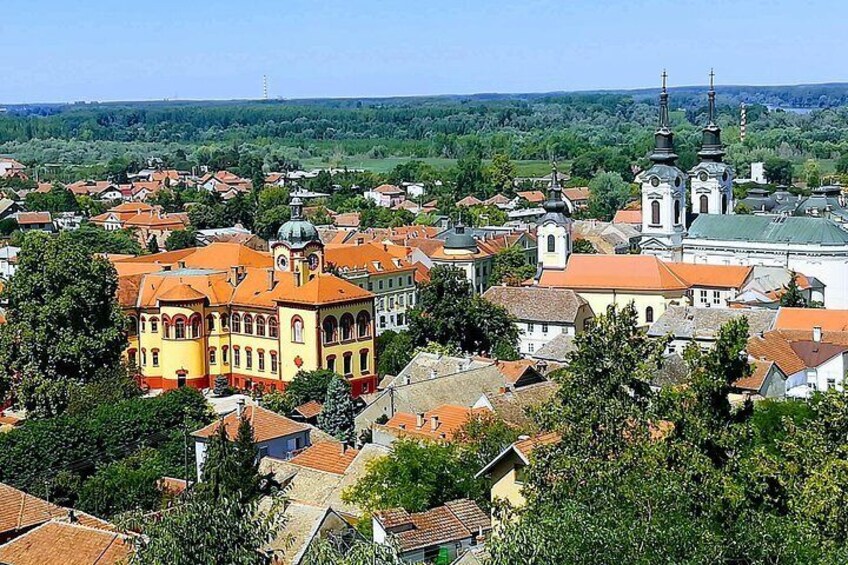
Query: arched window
x=179, y=328
x=649, y=315
x=248, y=358
x=225, y=321
x=225, y=354
x=195, y=326
x=347, y=327
x=236, y=357
x=154, y=357
x=676, y=212
x=274, y=364
x=724, y=204
x=273, y=327
x=363, y=324
x=142, y=324
x=260, y=356
x=213, y=356
x=655, y=213
x=705, y=204
x=144, y=357
x=236, y=323
x=167, y=328
x=551, y=244
x=154, y=325
x=260, y=326
x=297, y=330
x=132, y=358
x=248, y=324
x=210, y=323
x=132, y=322
x=330, y=329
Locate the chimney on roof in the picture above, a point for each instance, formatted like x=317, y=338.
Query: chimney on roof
x=271, y=279
x=407, y=380
x=343, y=448
x=239, y=407
x=72, y=517
x=433, y=373
x=480, y=539
x=434, y=423
x=817, y=334
x=419, y=420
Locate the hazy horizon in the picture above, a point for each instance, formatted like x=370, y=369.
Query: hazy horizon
x=55, y=52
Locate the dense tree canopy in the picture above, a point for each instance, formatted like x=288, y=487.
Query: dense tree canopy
x=64, y=327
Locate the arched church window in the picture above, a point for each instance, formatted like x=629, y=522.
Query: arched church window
x=676, y=212
x=724, y=203
x=655, y=213
x=649, y=315
x=705, y=205
x=551, y=244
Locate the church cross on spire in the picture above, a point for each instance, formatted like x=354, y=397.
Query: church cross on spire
x=663, y=153
x=711, y=147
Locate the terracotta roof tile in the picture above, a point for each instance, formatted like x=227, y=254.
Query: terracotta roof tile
x=19, y=510
x=620, y=272
x=373, y=257
x=25, y=218
x=181, y=293
x=759, y=372
x=533, y=196
x=456, y=520
x=526, y=446
x=447, y=419
x=60, y=543
x=309, y=409
x=722, y=276
x=328, y=456
x=633, y=217
x=808, y=318
x=267, y=425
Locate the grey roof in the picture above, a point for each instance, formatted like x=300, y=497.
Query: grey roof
x=686, y=322
x=538, y=304
x=462, y=389
x=672, y=371
x=459, y=239
x=424, y=365
x=713, y=167
x=557, y=349
x=665, y=173
x=512, y=406
x=768, y=229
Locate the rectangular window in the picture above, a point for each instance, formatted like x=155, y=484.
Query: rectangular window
x=261, y=361
x=274, y=365
x=380, y=284
x=704, y=296
x=348, y=364
x=363, y=362
x=370, y=285
x=391, y=303
x=248, y=359
x=544, y=328
x=401, y=300
x=716, y=297
x=224, y=355
x=530, y=328
x=409, y=280
x=831, y=383
x=263, y=451
x=331, y=364
x=530, y=347
x=401, y=319
x=520, y=474
x=154, y=326
x=391, y=283
x=237, y=357
x=212, y=357
x=155, y=358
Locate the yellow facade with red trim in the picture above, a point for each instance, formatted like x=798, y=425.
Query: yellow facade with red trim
x=251, y=316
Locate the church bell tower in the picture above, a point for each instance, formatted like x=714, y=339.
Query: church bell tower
x=711, y=179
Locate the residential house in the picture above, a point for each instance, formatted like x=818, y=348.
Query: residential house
x=386, y=195
x=766, y=380
x=443, y=533
x=8, y=208
x=224, y=183
x=767, y=285
x=348, y=221
x=440, y=424
x=308, y=412
x=576, y=198
x=812, y=361
x=512, y=405
x=156, y=226
x=68, y=543
x=11, y=168
x=114, y=218
x=507, y=471
x=469, y=201
x=100, y=190
x=392, y=280
x=686, y=325
x=305, y=525
x=35, y=221
x=713, y=286
x=531, y=196
x=8, y=261
x=274, y=435
x=426, y=388
x=628, y=217
x=541, y=313
x=608, y=238
x=806, y=319
x=617, y=280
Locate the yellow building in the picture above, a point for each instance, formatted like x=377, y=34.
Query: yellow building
x=506, y=472
x=604, y=280
x=254, y=317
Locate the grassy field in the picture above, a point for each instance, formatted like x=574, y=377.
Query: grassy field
x=523, y=168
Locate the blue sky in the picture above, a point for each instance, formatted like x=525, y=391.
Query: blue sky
x=64, y=50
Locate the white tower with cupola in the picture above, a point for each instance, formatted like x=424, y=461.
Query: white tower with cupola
x=663, y=194
x=711, y=179
x=553, y=234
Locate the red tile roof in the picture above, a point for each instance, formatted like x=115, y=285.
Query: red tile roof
x=441, y=423
x=632, y=217
x=61, y=543
x=455, y=521
x=267, y=425
x=808, y=318
x=25, y=218
x=309, y=409
x=719, y=276
x=619, y=272
x=328, y=456
x=533, y=196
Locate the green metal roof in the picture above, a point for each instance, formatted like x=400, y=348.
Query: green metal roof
x=768, y=229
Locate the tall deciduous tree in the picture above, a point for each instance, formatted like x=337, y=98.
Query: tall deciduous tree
x=607, y=193
x=64, y=326
x=501, y=174
x=181, y=239
x=336, y=417
x=450, y=315
x=511, y=266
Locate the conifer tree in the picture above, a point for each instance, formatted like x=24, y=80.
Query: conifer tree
x=793, y=297
x=220, y=470
x=336, y=418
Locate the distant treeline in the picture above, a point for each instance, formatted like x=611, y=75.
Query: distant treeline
x=607, y=127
